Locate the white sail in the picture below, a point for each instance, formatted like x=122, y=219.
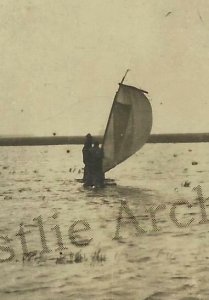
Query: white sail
x=128, y=127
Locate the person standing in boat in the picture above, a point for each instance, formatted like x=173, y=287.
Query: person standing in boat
x=87, y=160
x=97, y=169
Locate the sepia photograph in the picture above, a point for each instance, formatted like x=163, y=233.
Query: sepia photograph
x=104, y=149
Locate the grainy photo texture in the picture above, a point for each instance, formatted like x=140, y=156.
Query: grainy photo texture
x=104, y=161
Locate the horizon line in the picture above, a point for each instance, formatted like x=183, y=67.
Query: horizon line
x=79, y=139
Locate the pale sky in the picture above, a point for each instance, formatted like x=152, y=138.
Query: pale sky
x=61, y=61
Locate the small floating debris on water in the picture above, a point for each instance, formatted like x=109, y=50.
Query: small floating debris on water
x=28, y=256
x=5, y=167
x=98, y=256
x=175, y=155
x=168, y=13
x=78, y=258
x=190, y=150
x=185, y=169
x=70, y=170
x=74, y=258
x=61, y=259
x=7, y=197
x=186, y=183
x=35, y=171
x=54, y=134
x=68, y=151
x=194, y=163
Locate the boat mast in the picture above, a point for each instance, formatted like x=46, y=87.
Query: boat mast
x=113, y=106
x=124, y=76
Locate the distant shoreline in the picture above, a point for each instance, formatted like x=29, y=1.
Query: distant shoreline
x=79, y=140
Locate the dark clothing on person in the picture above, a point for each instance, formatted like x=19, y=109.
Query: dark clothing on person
x=86, y=153
x=92, y=159
x=87, y=176
x=96, y=168
x=87, y=160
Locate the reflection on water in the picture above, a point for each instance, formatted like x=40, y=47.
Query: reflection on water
x=171, y=263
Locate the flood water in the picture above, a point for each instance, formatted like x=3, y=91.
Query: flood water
x=38, y=186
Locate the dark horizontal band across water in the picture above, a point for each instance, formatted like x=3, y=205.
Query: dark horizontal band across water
x=79, y=140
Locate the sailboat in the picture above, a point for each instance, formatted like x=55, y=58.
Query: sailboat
x=128, y=128
x=129, y=125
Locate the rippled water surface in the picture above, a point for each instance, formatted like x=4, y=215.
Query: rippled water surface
x=163, y=262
